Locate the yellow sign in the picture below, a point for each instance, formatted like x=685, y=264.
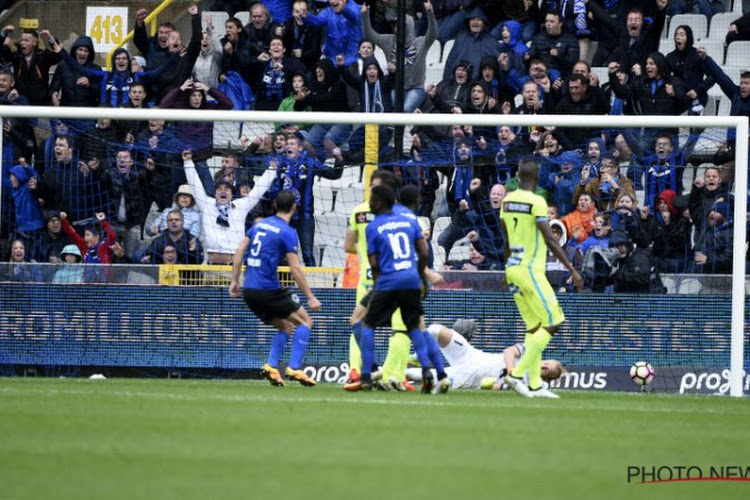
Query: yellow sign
x=106, y=26
x=28, y=24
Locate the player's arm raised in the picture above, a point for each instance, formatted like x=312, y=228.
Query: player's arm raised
x=299, y=278
x=234, y=286
x=554, y=247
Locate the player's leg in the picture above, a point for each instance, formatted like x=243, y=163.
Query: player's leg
x=381, y=307
x=544, y=304
x=551, y=317
x=355, y=355
x=454, y=346
x=270, y=307
x=433, y=350
x=394, y=366
x=355, y=320
x=270, y=370
x=304, y=324
x=523, y=290
x=413, y=315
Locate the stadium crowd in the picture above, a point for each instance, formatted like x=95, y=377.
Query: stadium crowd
x=632, y=190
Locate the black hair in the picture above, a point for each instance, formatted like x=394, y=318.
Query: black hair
x=234, y=21
x=388, y=178
x=579, y=78
x=384, y=194
x=285, y=201
x=408, y=195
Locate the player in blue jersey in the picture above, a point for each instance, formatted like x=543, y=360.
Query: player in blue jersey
x=262, y=250
x=393, y=240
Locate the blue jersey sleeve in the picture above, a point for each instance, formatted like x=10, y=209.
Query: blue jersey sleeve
x=290, y=240
x=417, y=230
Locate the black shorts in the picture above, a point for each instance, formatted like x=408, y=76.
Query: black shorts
x=365, y=302
x=384, y=303
x=269, y=305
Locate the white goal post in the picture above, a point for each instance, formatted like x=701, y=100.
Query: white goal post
x=740, y=124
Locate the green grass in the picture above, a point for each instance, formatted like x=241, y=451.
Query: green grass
x=141, y=439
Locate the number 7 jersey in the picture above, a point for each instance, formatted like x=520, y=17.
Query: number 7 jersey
x=521, y=210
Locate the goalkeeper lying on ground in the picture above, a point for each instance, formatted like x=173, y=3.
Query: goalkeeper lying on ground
x=472, y=368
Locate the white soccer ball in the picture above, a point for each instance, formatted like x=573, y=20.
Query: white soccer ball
x=642, y=373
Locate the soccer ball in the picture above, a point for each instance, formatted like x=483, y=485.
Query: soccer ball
x=642, y=373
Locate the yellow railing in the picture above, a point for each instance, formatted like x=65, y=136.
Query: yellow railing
x=205, y=275
x=150, y=20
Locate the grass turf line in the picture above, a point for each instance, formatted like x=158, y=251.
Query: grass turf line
x=118, y=438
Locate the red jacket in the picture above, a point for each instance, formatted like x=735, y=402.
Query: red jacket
x=103, y=250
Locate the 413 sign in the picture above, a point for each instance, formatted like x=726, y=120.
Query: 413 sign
x=107, y=26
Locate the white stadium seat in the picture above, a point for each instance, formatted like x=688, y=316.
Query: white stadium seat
x=738, y=54
x=719, y=25
x=697, y=22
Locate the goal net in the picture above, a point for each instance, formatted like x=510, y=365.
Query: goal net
x=667, y=185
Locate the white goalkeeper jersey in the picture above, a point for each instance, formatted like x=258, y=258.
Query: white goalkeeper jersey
x=469, y=365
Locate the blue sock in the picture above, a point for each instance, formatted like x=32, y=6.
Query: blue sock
x=357, y=330
x=433, y=351
x=367, y=346
x=299, y=344
x=278, y=344
x=417, y=340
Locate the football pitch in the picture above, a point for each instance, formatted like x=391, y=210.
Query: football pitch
x=184, y=439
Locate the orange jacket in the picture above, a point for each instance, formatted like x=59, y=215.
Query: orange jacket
x=580, y=225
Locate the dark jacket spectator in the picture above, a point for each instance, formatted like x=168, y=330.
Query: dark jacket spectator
x=739, y=29
x=180, y=71
x=472, y=44
x=70, y=87
x=326, y=94
x=31, y=66
x=738, y=94
x=671, y=234
x=713, y=252
x=236, y=55
x=271, y=80
x=260, y=30
x=114, y=85
x=155, y=49
x=196, y=136
x=638, y=39
x=636, y=268
x=189, y=248
x=556, y=47
x=53, y=239
x=654, y=92
x=302, y=40
x=686, y=65
x=703, y=195
x=451, y=92
x=374, y=93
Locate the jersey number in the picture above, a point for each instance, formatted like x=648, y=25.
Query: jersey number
x=399, y=245
x=257, y=243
